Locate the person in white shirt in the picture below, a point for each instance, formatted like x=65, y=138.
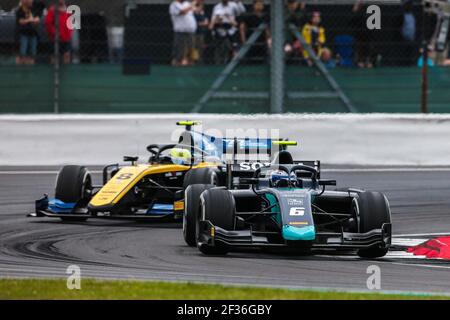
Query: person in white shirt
x=224, y=26
x=184, y=27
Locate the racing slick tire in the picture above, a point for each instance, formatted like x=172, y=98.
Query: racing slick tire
x=219, y=207
x=200, y=176
x=192, y=211
x=72, y=184
x=373, y=211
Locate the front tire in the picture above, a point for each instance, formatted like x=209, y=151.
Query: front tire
x=72, y=185
x=192, y=211
x=373, y=211
x=200, y=176
x=218, y=206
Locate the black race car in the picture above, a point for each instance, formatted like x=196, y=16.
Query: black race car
x=286, y=205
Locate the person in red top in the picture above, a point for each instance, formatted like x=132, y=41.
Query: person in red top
x=65, y=33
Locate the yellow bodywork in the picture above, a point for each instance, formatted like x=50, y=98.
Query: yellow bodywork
x=178, y=205
x=126, y=178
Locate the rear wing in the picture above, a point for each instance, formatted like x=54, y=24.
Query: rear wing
x=245, y=156
x=232, y=150
x=242, y=155
x=246, y=149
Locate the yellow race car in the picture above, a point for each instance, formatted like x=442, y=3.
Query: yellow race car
x=138, y=191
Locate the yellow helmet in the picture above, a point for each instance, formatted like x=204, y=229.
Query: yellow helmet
x=180, y=156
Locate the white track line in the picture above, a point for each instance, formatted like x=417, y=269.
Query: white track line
x=405, y=242
x=43, y=172
x=207, y=116
x=438, y=266
x=13, y=173
x=444, y=169
x=362, y=170
x=406, y=255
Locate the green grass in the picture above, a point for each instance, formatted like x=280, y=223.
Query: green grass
x=132, y=290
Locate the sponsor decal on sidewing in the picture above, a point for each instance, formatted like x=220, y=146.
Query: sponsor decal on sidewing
x=295, y=202
x=252, y=166
x=297, y=211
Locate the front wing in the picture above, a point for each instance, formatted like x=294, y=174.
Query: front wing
x=211, y=235
x=54, y=208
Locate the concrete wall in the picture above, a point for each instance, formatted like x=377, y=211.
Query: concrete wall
x=376, y=139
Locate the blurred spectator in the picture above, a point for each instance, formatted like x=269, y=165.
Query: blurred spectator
x=249, y=23
x=364, y=49
x=27, y=20
x=430, y=60
x=444, y=59
x=184, y=27
x=407, y=29
x=224, y=26
x=314, y=35
x=202, y=31
x=295, y=15
x=39, y=8
x=65, y=33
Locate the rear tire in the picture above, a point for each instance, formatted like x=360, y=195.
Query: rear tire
x=192, y=211
x=200, y=176
x=217, y=206
x=72, y=185
x=373, y=211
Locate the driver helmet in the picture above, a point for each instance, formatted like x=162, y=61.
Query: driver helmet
x=277, y=175
x=180, y=156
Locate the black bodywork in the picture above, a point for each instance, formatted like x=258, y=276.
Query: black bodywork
x=260, y=222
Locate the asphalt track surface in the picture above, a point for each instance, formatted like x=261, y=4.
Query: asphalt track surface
x=44, y=247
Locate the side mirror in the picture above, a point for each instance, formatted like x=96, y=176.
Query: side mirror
x=327, y=182
x=130, y=159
